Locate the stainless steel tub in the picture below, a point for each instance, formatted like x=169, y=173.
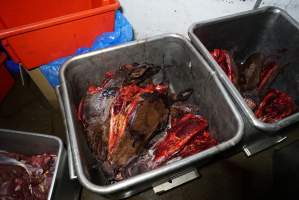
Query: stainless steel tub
x=190, y=70
x=32, y=143
x=266, y=30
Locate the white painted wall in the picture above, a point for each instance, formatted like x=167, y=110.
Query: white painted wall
x=291, y=6
x=152, y=17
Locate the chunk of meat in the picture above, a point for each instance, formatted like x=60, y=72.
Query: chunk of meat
x=136, y=114
x=183, y=138
x=275, y=106
x=250, y=72
x=200, y=142
x=101, y=102
x=224, y=59
x=128, y=120
x=268, y=74
x=177, y=137
x=32, y=180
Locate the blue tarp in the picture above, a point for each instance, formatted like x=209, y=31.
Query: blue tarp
x=123, y=32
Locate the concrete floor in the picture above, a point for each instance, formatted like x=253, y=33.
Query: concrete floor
x=237, y=177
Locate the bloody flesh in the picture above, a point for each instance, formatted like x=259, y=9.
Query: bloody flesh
x=255, y=78
x=124, y=114
x=275, y=106
x=32, y=181
x=126, y=122
x=225, y=61
x=188, y=134
x=200, y=142
x=268, y=75
x=178, y=136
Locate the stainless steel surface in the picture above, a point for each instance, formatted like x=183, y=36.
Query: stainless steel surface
x=71, y=168
x=265, y=30
x=31, y=143
x=66, y=188
x=190, y=70
x=262, y=144
x=176, y=181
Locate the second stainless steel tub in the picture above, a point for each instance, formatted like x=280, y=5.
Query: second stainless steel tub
x=189, y=70
x=31, y=144
x=268, y=30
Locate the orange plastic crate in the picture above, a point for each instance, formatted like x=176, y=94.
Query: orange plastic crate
x=6, y=81
x=35, y=32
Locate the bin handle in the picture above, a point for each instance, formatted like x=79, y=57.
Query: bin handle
x=262, y=143
x=178, y=180
x=72, y=171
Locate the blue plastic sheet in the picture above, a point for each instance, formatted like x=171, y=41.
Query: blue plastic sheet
x=12, y=67
x=123, y=32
